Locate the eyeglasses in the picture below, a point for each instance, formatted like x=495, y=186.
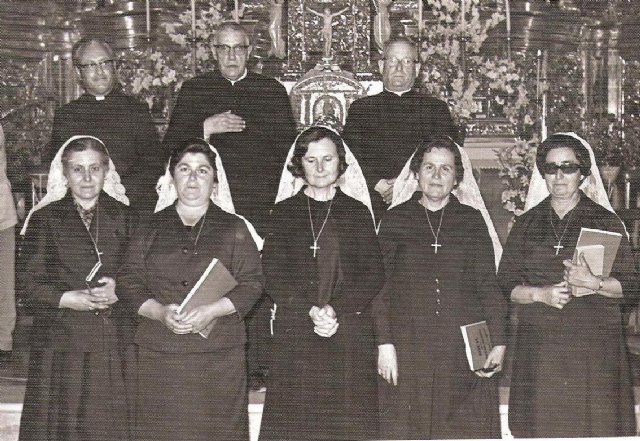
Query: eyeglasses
x=405, y=62
x=226, y=49
x=94, y=67
x=568, y=168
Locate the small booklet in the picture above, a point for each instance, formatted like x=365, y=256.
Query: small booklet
x=215, y=283
x=600, y=248
x=477, y=342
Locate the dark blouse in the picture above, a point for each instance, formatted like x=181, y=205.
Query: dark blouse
x=163, y=263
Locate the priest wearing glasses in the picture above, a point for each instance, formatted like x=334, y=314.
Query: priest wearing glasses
x=382, y=129
x=120, y=121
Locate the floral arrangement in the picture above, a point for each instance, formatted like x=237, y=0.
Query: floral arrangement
x=516, y=165
x=154, y=75
x=491, y=79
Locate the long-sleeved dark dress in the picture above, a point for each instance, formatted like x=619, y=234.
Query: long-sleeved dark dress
x=570, y=373
x=191, y=388
x=322, y=388
x=425, y=300
x=76, y=381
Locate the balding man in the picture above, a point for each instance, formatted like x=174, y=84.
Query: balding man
x=120, y=121
x=246, y=116
x=384, y=129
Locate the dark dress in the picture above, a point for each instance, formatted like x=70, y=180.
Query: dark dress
x=426, y=298
x=570, y=372
x=124, y=125
x=383, y=129
x=322, y=388
x=76, y=381
x=191, y=388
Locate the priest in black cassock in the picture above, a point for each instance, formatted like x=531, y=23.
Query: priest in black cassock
x=120, y=121
x=383, y=129
x=440, y=275
x=247, y=116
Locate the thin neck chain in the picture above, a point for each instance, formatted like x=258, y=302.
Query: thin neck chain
x=195, y=243
x=559, y=246
x=435, y=245
x=97, y=238
x=315, y=246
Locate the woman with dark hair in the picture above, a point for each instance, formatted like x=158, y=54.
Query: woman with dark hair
x=190, y=387
x=322, y=267
x=440, y=252
x=570, y=372
x=75, y=241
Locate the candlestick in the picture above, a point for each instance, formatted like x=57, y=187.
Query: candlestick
x=463, y=20
x=236, y=5
x=148, y=12
x=420, y=20
x=508, y=14
x=193, y=19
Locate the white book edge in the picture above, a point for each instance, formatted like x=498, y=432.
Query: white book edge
x=197, y=285
x=467, y=346
x=595, y=230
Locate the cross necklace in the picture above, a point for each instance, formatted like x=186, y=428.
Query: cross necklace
x=559, y=246
x=435, y=245
x=315, y=246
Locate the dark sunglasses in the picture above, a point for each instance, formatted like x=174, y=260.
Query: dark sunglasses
x=549, y=168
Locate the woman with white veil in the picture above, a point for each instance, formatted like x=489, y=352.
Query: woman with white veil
x=322, y=268
x=570, y=372
x=75, y=241
x=191, y=387
x=440, y=252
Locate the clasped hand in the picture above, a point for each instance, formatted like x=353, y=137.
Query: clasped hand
x=324, y=320
x=193, y=321
x=98, y=298
x=580, y=274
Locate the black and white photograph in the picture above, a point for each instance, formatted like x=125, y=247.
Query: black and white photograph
x=319, y=220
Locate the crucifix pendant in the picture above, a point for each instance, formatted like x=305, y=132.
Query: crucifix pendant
x=315, y=248
x=436, y=246
x=558, y=248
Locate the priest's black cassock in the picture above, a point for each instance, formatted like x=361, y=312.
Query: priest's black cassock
x=124, y=125
x=322, y=388
x=383, y=130
x=252, y=158
x=426, y=298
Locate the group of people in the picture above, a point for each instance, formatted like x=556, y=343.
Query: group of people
x=375, y=257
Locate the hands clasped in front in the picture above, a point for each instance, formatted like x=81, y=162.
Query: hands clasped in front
x=190, y=322
x=98, y=298
x=324, y=320
x=575, y=274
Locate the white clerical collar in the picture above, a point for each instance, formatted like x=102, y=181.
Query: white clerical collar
x=402, y=92
x=233, y=82
x=99, y=97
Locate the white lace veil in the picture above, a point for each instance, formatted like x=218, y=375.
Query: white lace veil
x=592, y=186
x=352, y=182
x=468, y=193
x=57, y=184
x=221, y=196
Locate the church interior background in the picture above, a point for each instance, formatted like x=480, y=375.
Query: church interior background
x=511, y=72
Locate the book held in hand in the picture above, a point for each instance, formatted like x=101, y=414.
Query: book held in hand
x=477, y=342
x=215, y=283
x=599, y=248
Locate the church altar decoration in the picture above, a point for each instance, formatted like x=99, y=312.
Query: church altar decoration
x=490, y=81
x=26, y=117
x=154, y=74
x=516, y=164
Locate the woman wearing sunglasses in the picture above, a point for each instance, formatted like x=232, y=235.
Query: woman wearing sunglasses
x=570, y=373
